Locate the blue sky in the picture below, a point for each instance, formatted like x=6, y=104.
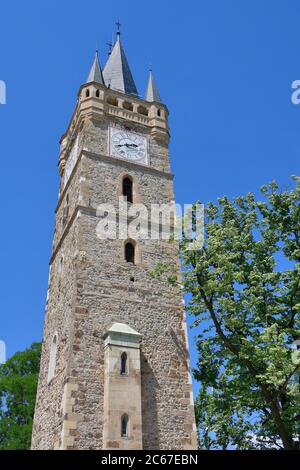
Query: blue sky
x=224, y=68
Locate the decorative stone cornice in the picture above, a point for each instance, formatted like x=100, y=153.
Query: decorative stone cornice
x=104, y=103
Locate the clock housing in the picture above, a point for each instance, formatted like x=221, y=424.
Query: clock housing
x=128, y=145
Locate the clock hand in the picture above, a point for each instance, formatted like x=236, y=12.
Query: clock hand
x=126, y=145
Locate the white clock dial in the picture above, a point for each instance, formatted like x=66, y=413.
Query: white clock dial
x=128, y=145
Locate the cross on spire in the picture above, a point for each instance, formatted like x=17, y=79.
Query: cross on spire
x=118, y=24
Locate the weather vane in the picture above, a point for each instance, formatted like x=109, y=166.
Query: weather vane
x=110, y=45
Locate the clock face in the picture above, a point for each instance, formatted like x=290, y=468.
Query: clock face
x=128, y=145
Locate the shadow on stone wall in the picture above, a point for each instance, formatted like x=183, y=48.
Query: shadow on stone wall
x=180, y=345
x=150, y=427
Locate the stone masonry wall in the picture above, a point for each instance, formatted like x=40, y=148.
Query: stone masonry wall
x=59, y=319
x=155, y=310
x=91, y=287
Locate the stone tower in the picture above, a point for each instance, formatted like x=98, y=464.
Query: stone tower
x=115, y=364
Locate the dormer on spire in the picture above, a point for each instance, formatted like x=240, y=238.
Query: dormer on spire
x=95, y=74
x=152, y=91
x=116, y=73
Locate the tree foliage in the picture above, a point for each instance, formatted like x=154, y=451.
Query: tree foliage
x=244, y=288
x=18, y=383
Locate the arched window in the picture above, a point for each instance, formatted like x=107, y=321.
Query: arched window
x=128, y=106
x=142, y=110
x=124, y=425
x=127, y=189
x=97, y=93
x=123, y=368
x=52, y=360
x=112, y=100
x=158, y=112
x=87, y=93
x=129, y=252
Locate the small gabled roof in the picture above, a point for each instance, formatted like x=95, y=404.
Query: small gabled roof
x=152, y=91
x=116, y=73
x=122, y=328
x=95, y=74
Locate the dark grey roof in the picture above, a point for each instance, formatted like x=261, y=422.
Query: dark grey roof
x=95, y=74
x=116, y=73
x=152, y=91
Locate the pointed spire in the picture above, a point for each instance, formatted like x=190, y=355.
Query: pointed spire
x=95, y=74
x=152, y=91
x=116, y=73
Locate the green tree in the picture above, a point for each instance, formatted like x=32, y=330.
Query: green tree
x=18, y=384
x=244, y=289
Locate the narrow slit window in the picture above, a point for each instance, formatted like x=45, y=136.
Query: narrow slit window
x=61, y=266
x=123, y=368
x=66, y=211
x=129, y=252
x=124, y=425
x=52, y=359
x=127, y=189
